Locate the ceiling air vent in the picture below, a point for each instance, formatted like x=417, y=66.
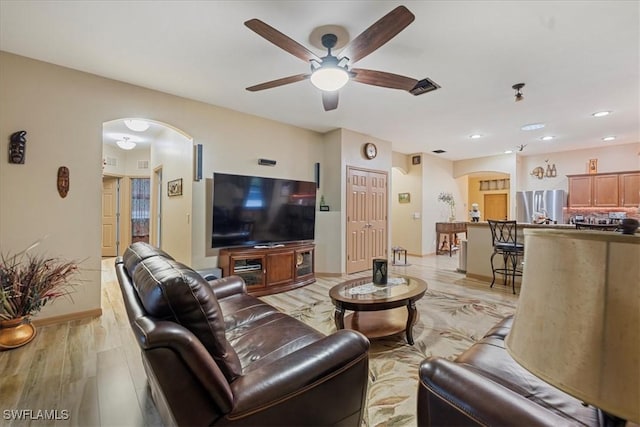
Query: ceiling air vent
x=424, y=86
x=143, y=164
x=438, y=151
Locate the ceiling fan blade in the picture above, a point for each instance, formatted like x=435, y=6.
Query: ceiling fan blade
x=282, y=41
x=330, y=100
x=378, y=34
x=383, y=79
x=279, y=82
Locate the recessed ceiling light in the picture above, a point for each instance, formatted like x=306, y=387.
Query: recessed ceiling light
x=608, y=138
x=475, y=136
x=533, y=126
x=508, y=152
x=601, y=113
x=136, y=124
x=547, y=138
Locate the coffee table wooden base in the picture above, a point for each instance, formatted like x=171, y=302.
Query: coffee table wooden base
x=383, y=323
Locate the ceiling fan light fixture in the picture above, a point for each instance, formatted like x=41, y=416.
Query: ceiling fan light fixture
x=125, y=144
x=136, y=125
x=329, y=79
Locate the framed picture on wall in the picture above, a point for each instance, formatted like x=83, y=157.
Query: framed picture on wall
x=415, y=160
x=593, y=166
x=174, y=188
x=404, y=197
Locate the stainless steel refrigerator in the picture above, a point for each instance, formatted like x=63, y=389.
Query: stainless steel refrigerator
x=548, y=202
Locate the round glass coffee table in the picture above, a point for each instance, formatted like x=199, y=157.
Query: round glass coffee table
x=378, y=310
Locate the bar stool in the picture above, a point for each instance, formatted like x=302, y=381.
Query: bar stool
x=504, y=235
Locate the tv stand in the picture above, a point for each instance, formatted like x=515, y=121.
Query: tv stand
x=269, y=269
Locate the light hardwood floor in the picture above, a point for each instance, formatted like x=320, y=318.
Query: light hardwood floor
x=90, y=370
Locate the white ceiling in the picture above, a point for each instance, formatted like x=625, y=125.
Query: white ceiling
x=576, y=58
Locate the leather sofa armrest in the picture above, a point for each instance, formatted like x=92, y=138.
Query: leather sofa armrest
x=228, y=286
x=452, y=394
x=340, y=360
x=163, y=334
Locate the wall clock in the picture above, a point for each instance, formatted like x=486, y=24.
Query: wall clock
x=370, y=150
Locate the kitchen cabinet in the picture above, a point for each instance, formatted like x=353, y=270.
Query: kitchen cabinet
x=629, y=189
x=604, y=190
x=580, y=189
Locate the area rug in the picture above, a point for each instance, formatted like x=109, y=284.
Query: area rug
x=449, y=323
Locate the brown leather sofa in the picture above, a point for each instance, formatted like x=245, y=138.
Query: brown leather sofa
x=485, y=386
x=216, y=356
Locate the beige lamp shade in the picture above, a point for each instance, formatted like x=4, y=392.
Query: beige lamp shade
x=577, y=324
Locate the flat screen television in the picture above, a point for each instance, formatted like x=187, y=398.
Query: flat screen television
x=252, y=210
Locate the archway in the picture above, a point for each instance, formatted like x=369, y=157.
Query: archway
x=146, y=209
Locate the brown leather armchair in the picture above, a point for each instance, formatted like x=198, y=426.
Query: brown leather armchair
x=216, y=356
x=484, y=386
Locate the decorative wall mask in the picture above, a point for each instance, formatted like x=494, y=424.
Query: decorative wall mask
x=63, y=181
x=17, y=147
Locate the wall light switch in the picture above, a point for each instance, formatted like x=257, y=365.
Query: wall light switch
x=416, y=215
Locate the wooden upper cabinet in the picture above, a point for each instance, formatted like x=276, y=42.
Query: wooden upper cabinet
x=605, y=190
x=580, y=189
x=629, y=189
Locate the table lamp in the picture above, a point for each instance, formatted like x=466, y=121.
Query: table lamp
x=577, y=323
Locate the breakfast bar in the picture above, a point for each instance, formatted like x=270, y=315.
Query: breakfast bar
x=480, y=248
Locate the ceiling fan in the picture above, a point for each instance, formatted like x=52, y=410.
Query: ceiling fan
x=330, y=72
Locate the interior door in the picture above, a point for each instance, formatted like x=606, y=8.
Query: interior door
x=495, y=206
x=357, y=215
x=109, y=216
x=367, y=206
x=377, y=214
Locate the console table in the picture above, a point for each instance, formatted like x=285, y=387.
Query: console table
x=270, y=269
x=450, y=230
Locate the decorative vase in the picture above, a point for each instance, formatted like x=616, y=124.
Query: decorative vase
x=15, y=333
x=379, y=271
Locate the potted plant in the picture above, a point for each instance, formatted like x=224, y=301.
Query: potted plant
x=448, y=199
x=28, y=283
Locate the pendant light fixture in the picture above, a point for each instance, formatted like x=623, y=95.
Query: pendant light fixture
x=518, y=87
x=125, y=144
x=137, y=125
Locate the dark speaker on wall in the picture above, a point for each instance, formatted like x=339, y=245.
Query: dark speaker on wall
x=197, y=158
x=266, y=162
x=317, y=175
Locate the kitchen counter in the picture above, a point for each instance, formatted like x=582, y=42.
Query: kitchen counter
x=602, y=227
x=480, y=247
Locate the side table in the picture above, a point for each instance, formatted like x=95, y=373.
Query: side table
x=450, y=230
x=397, y=250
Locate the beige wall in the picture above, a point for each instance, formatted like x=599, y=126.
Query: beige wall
x=612, y=158
x=63, y=111
x=173, y=153
x=127, y=161
x=436, y=178
x=406, y=218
